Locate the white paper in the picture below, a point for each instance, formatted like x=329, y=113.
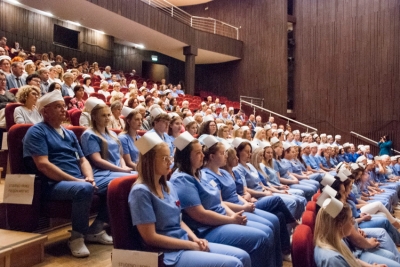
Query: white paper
x=134, y=258
x=19, y=188
x=4, y=144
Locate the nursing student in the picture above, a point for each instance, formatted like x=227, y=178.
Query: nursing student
x=155, y=210
x=204, y=212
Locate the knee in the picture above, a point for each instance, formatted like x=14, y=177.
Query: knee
x=84, y=191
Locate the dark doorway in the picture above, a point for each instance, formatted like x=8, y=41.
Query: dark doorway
x=154, y=71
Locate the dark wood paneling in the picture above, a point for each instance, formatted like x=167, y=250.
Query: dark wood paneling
x=262, y=71
x=348, y=65
x=160, y=21
x=29, y=28
x=128, y=58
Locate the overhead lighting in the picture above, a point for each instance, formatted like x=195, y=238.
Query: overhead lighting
x=101, y=32
x=75, y=23
x=140, y=46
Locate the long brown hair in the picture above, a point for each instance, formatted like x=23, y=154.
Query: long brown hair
x=146, y=169
x=104, y=145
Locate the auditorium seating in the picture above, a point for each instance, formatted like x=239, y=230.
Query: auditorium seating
x=9, y=114
x=302, y=247
x=125, y=235
x=26, y=217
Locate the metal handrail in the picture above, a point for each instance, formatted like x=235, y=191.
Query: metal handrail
x=201, y=23
x=372, y=142
x=279, y=115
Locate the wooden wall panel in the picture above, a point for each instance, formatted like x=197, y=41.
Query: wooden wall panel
x=128, y=58
x=348, y=66
x=29, y=28
x=262, y=71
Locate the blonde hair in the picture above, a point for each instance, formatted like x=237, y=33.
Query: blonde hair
x=104, y=145
x=256, y=136
x=255, y=161
x=24, y=91
x=269, y=162
x=221, y=131
x=327, y=233
x=146, y=169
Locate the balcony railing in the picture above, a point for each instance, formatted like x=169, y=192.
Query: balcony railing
x=200, y=23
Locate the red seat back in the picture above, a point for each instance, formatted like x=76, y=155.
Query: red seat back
x=302, y=247
x=9, y=114
x=75, y=115
x=15, y=151
x=78, y=131
x=311, y=206
x=125, y=235
x=308, y=219
x=14, y=91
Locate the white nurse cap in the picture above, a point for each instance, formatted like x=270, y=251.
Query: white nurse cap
x=327, y=192
x=126, y=111
x=49, y=98
x=147, y=142
x=237, y=141
x=188, y=120
x=267, y=127
x=274, y=140
x=209, y=141
x=328, y=180
x=183, y=140
x=332, y=206
x=264, y=144
x=155, y=112
x=208, y=118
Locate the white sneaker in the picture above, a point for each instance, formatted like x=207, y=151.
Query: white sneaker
x=287, y=257
x=78, y=248
x=101, y=237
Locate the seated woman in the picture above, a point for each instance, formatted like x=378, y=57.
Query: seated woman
x=260, y=135
x=215, y=158
x=155, y=211
x=116, y=122
x=246, y=133
x=295, y=204
x=102, y=147
x=85, y=119
x=299, y=168
x=377, y=240
x=116, y=94
x=190, y=125
x=77, y=102
x=54, y=86
x=28, y=113
x=204, y=212
x=175, y=126
x=223, y=132
x=330, y=250
x=160, y=121
x=208, y=127
x=128, y=138
x=283, y=170
x=103, y=89
x=87, y=80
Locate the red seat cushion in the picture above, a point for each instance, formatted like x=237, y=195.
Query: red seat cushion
x=308, y=219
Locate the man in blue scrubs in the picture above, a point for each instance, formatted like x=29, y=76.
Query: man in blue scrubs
x=54, y=154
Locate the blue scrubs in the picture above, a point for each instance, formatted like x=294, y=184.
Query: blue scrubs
x=283, y=169
x=227, y=188
x=193, y=192
x=298, y=168
x=65, y=153
x=328, y=258
x=145, y=208
x=128, y=146
x=251, y=179
x=166, y=138
x=91, y=143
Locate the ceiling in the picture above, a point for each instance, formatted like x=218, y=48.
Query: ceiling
x=92, y=16
x=188, y=2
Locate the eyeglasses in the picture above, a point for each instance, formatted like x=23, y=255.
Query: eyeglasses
x=168, y=159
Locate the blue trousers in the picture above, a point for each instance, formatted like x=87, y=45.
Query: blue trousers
x=380, y=256
x=219, y=256
x=384, y=239
x=308, y=190
x=295, y=204
x=382, y=222
x=253, y=241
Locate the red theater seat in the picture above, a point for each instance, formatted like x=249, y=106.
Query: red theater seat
x=26, y=217
x=308, y=219
x=302, y=247
x=9, y=114
x=125, y=235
